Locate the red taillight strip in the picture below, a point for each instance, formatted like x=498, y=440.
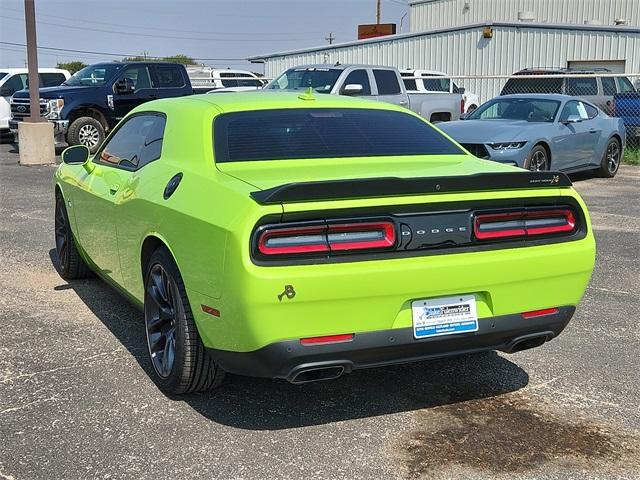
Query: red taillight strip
x=320, y=245
x=388, y=239
x=540, y=313
x=346, y=337
x=520, y=224
x=326, y=238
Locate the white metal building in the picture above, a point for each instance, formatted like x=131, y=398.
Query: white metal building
x=448, y=35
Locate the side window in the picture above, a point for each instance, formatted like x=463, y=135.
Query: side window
x=361, y=78
x=139, y=75
x=15, y=83
x=608, y=86
x=580, y=87
x=168, y=76
x=624, y=85
x=387, y=82
x=436, y=84
x=137, y=142
x=592, y=111
x=574, y=109
x=51, y=79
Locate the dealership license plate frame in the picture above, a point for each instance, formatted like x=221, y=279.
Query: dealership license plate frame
x=436, y=317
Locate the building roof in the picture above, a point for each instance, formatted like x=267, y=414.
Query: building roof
x=402, y=36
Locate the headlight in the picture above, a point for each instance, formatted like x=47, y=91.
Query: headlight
x=508, y=145
x=55, y=107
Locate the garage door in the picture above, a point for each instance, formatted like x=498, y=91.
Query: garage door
x=616, y=66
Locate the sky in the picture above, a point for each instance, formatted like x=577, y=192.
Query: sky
x=220, y=32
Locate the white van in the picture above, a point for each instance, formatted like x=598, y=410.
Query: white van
x=14, y=79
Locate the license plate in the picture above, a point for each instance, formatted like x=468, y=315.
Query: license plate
x=444, y=316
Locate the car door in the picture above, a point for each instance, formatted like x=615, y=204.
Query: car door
x=109, y=185
x=388, y=87
x=578, y=136
x=132, y=88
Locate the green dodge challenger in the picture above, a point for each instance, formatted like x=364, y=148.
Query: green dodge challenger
x=301, y=237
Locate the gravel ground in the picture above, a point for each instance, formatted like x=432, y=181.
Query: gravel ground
x=76, y=400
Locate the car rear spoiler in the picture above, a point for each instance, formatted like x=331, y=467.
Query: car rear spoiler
x=394, y=186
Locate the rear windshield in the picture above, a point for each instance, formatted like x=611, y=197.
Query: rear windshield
x=324, y=133
x=532, y=85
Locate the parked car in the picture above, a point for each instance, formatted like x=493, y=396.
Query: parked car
x=373, y=82
x=627, y=107
x=205, y=79
x=543, y=132
x=315, y=235
x=15, y=79
x=426, y=81
x=90, y=103
x=597, y=90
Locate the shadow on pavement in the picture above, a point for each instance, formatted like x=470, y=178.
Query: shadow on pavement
x=264, y=404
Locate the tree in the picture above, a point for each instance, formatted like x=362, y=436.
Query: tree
x=180, y=58
x=72, y=66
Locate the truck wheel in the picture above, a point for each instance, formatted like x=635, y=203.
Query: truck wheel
x=71, y=264
x=86, y=131
x=610, y=160
x=180, y=361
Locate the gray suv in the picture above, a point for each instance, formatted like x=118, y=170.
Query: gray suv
x=598, y=90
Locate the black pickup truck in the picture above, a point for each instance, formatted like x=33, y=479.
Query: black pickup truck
x=85, y=107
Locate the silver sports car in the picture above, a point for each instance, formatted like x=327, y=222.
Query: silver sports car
x=542, y=132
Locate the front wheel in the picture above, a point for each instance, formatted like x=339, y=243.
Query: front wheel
x=610, y=160
x=86, y=131
x=180, y=361
x=538, y=159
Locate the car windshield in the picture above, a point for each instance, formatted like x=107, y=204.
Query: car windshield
x=93, y=75
x=321, y=80
x=529, y=109
x=290, y=134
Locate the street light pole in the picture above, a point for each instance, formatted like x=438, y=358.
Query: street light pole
x=32, y=60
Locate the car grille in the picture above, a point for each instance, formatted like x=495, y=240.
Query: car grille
x=477, y=149
x=20, y=108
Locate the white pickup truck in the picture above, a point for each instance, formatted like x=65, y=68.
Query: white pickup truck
x=372, y=82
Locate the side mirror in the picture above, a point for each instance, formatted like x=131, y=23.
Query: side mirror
x=463, y=115
x=352, y=89
x=6, y=92
x=77, y=155
x=124, y=85
x=461, y=90
x=572, y=119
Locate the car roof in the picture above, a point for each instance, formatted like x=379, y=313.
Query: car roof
x=40, y=70
x=539, y=96
x=263, y=100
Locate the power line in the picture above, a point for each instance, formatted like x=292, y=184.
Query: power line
x=111, y=54
x=172, y=37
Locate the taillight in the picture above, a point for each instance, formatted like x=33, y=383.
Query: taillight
x=327, y=238
x=523, y=224
x=462, y=105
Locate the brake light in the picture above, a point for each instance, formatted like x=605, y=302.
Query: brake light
x=523, y=224
x=326, y=238
x=462, y=105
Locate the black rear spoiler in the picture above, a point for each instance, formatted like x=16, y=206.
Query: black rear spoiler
x=394, y=186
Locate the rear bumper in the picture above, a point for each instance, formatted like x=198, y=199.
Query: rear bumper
x=288, y=359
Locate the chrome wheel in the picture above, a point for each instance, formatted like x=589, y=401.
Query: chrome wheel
x=538, y=161
x=89, y=136
x=613, y=157
x=62, y=236
x=161, y=310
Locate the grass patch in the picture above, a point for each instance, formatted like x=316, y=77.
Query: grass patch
x=631, y=156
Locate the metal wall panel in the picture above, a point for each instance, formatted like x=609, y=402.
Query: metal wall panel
x=466, y=52
x=432, y=14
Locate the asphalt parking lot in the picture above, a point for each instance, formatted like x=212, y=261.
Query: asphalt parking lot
x=76, y=399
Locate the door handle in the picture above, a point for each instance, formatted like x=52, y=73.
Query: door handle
x=403, y=102
x=593, y=130
x=113, y=189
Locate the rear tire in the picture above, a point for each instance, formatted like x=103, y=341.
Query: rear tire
x=86, y=131
x=71, y=265
x=538, y=159
x=180, y=361
x=610, y=162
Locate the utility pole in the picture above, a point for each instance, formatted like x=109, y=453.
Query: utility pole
x=35, y=134
x=378, y=12
x=32, y=61
x=330, y=38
